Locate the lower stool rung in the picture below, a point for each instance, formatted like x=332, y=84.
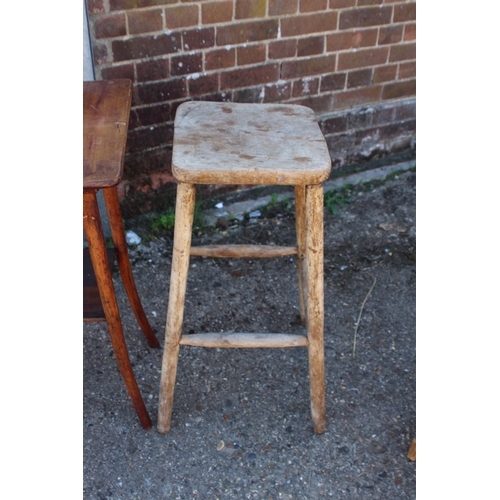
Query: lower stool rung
x=244, y=340
x=243, y=251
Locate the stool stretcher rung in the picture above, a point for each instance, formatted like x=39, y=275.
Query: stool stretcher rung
x=244, y=340
x=243, y=251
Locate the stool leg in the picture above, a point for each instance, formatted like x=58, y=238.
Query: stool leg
x=315, y=304
x=300, y=224
x=118, y=234
x=97, y=250
x=184, y=212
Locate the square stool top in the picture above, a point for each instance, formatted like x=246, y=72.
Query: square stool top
x=235, y=143
x=106, y=109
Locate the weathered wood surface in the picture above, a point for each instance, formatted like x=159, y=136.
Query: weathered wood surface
x=239, y=143
x=300, y=225
x=106, y=109
x=244, y=340
x=184, y=212
x=243, y=251
x=315, y=304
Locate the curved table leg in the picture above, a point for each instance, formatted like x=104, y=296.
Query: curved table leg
x=118, y=234
x=97, y=249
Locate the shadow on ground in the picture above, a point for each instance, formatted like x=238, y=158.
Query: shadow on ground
x=241, y=424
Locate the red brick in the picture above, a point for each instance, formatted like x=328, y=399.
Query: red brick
x=313, y=23
x=220, y=59
x=246, y=9
x=351, y=40
x=247, y=32
x=137, y=164
x=251, y=54
x=363, y=58
x=147, y=46
x=186, y=63
x=410, y=32
x=161, y=91
x=319, y=104
x=277, y=92
x=95, y=6
x=181, y=16
x=406, y=111
x=407, y=70
x=217, y=12
x=150, y=115
x=363, y=3
x=144, y=21
x=282, y=49
x=390, y=34
x=153, y=70
x=335, y=81
x=385, y=73
x=357, y=97
x=133, y=121
x=150, y=137
x=359, y=78
x=248, y=77
x=203, y=84
x=117, y=72
x=280, y=7
x=310, y=46
x=305, y=86
x=313, y=5
x=251, y=95
x=399, y=89
x=198, y=38
x=334, y=124
x=136, y=4
x=367, y=16
x=342, y=4
x=405, y=12
x=307, y=67
x=100, y=54
x=110, y=26
x=403, y=52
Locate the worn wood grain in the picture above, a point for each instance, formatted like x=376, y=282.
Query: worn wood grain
x=315, y=304
x=243, y=251
x=300, y=224
x=106, y=109
x=239, y=143
x=242, y=340
x=184, y=212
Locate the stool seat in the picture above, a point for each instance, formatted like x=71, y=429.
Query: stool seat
x=235, y=143
x=228, y=143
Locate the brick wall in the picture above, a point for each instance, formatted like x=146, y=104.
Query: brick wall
x=352, y=61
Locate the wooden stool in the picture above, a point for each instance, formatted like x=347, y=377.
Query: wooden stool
x=227, y=143
x=106, y=108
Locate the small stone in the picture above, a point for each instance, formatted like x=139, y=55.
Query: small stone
x=132, y=238
x=254, y=214
x=220, y=445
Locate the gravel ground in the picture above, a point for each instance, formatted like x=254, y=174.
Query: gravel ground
x=241, y=424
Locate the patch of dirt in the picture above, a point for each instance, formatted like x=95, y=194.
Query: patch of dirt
x=258, y=400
